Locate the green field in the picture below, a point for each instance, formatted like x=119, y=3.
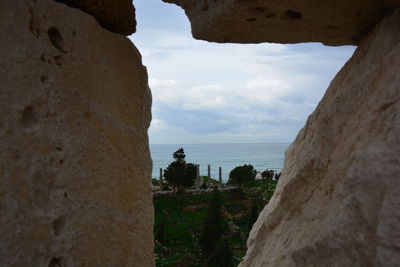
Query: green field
x=183, y=218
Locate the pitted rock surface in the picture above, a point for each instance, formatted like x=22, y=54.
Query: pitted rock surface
x=338, y=22
x=75, y=163
x=337, y=202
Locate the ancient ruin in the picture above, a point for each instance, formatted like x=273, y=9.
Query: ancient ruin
x=75, y=108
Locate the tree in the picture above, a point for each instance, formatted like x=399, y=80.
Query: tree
x=221, y=256
x=179, y=173
x=242, y=174
x=213, y=226
x=277, y=176
x=252, y=216
x=267, y=174
x=179, y=155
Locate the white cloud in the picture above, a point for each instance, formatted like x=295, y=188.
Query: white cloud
x=159, y=83
x=207, y=92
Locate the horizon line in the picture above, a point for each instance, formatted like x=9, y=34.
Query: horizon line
x=256, y=143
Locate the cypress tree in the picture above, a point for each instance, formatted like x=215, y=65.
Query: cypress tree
x=212, y=227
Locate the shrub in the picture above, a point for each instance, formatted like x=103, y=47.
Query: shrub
x=242, y=175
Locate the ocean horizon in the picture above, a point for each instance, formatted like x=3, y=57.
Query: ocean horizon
x=226, y=155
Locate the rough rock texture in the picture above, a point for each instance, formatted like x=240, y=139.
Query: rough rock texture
x=74, y=168
x=339, y=22
x=338, y=200
x=115, y=15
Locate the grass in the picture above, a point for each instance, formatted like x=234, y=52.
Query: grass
x=183, y=218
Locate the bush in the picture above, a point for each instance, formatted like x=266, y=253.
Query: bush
x=203, y=186
x=242, y=175
x=267, y=174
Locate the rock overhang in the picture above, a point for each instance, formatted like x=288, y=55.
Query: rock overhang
x=117, y=16
x=339, y=22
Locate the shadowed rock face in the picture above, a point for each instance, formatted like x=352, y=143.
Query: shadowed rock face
x=339, y=22
x=338, y=200
x=117, y=16
x=75, y=165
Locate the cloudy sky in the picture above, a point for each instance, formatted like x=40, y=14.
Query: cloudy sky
x=227, y=93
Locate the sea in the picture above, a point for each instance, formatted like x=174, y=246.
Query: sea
x=228, y=156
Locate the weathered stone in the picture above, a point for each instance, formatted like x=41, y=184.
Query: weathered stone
x=114, y=15
x=75, y=163
x=337, y=202
x=339, y=22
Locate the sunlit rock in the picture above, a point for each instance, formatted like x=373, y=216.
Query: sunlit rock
x=338, y=200
x=75, y=164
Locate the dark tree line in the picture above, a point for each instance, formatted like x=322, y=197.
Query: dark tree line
x=270, y=174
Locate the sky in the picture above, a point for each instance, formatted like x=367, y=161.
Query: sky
x=227, y=93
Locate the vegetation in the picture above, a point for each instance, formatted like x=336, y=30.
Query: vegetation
x=212, y=227
x=242, y=175
x=203, y=186
x=270, y=174
x=209, y=229
x=179, y=173
x=221, y=256
x=160, y=236
x=184, y=218
x=253, y=216
x=267, y=174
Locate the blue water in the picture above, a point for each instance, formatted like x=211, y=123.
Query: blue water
x=227, y=156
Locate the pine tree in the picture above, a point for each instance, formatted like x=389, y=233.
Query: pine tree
x=179, y=173
x=212, y=227
x=221, y=256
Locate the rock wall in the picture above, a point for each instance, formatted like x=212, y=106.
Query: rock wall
x=338, y=200
x=115, y=15
x=75, y=164
x=337, y=22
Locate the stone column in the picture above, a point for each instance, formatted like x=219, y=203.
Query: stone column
x=198, y=177
x=220, y=177
x=209, y=176
x=161, y=180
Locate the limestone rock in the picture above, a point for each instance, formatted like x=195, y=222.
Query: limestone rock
x=75, y=163
x=338, y=200
x=338, y=22
x=114, y=15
